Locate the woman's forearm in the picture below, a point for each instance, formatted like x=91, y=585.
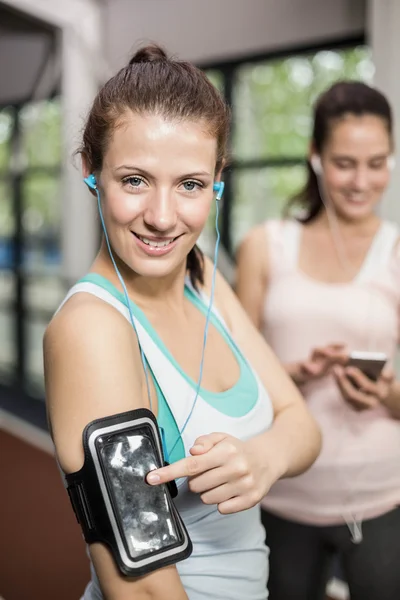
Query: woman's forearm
x=296, y=439
x=294, y=372
x=392, y=402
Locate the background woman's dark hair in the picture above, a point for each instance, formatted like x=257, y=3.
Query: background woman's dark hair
x=343, y=98
x=156, y=84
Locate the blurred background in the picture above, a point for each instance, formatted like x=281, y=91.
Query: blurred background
x=270, y=58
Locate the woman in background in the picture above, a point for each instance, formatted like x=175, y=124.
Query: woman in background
x=317, y=287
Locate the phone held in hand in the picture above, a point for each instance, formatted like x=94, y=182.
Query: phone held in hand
x=370, y=363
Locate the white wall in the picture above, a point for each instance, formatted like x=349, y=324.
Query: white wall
x=208, y=30
x=384, y=34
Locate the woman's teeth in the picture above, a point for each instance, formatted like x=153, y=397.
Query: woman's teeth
x=358, y=200
x=155, y=244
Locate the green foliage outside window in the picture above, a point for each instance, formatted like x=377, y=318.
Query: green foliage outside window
x=272, y=108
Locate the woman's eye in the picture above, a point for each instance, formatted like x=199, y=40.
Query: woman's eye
x=133, y=181
x=190, y=186
x=378, y=165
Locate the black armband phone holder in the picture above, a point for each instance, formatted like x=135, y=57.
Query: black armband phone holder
x=112, y=501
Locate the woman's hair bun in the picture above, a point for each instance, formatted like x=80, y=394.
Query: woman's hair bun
x=151, y=53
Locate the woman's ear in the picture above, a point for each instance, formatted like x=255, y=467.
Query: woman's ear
x=86, y=170
x=312, y=151
x=218, y=173
x=85, y=166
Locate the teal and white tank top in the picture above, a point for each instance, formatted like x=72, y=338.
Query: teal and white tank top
x=230, y=559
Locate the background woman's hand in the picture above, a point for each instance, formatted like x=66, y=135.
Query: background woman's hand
x=226, y=471
x=320, y=363
x=361, y=392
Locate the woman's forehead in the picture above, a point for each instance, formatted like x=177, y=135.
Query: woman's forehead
x=153, y=137
x=354, y=133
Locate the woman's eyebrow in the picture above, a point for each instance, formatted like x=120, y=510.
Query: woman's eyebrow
x=150, y=176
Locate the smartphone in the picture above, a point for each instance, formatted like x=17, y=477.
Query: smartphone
x=370, y=363
x=145, y=513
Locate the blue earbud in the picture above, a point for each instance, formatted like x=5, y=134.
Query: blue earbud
x=91, y=181
x=219, y=188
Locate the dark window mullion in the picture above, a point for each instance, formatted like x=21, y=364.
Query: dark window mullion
x=226, y=213
x=18, y=242
x=262, y=163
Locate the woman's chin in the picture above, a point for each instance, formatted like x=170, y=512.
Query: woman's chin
x=355, y=210
x=157, y=268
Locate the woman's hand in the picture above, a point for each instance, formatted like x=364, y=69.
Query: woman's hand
x=360, y=391
x=319, y=363
x=231, y=473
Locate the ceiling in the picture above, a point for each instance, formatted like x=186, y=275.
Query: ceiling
x=30, y=55
x=27, y=57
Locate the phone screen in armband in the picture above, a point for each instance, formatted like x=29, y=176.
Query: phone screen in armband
x=143, y=512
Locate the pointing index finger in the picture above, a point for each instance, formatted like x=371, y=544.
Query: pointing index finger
x=186, y=467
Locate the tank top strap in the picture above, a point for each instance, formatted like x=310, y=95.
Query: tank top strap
x=381, y=250
x=283, y=238
x=94, y=289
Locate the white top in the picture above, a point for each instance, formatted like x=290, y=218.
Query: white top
x=229, y=560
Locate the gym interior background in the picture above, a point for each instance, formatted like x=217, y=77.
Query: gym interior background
x=270, y=58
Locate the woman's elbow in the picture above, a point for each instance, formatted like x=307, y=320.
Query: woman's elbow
x=313, y=435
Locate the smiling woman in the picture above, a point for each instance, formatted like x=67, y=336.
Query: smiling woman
x=341, y=262
x=141, y=331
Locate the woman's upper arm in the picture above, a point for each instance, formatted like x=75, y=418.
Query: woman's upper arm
x=92, y=370
x=252, y=273
x=90, y=355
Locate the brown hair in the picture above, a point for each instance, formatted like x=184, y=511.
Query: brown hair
x=156, y=84
x=341, y=99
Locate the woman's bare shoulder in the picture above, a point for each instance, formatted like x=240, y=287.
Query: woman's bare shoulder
x=83, y=313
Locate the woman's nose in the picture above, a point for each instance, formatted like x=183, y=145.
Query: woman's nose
x=360, y=179
x=160, y=213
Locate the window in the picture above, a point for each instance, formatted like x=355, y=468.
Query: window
x=30, y=220
x=271, y=102
x=8, y=353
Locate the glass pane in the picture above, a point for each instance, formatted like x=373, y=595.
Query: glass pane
x=42, y=205
x=6, y=288
x=273, y=99
x=6, y=123
x=42, y=257
x=7, y=346
x=7, y=226
x=41, y=133
x=261, y=194
x=216, y=78
x=44, y=293
x=34, y=352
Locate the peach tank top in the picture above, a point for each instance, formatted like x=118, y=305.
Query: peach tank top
x=357, y=474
